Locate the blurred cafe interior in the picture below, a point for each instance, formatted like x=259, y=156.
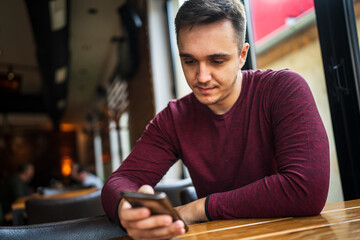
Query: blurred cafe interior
x=80, y=79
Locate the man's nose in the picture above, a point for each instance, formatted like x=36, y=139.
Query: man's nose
x=204, y=73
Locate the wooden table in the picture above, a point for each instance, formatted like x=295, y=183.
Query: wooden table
x=336, y=221
x=18, y=207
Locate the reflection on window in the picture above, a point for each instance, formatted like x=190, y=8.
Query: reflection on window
x=357, y=15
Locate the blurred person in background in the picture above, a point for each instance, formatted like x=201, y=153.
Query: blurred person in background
x=84, y=178
x=16, y=186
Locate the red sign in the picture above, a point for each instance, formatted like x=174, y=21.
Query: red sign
x=270, y=15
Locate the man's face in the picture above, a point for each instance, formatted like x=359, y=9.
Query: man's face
x=212, y=63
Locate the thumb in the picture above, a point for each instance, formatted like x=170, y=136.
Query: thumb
x=146, y=189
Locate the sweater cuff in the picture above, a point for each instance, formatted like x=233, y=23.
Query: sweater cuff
x=206, y=208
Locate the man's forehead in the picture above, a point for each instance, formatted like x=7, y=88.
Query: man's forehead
x=208, y=39
x=220, y=30
x=191, y=26
x=214, y=55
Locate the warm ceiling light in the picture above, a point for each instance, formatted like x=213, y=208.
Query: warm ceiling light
x=67, y=127
x=57, y=10
x=61, y=75
x=11, y=76
x=66, y=164
x=10, y=81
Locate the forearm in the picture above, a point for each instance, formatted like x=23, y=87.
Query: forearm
x=274, y=196
x=110, y=195
x=193, y=212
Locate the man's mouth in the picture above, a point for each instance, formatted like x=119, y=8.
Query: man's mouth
x=205, y=90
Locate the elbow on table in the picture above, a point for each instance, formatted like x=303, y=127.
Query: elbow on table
x=303, y=207
x=312, y=203
x=311, y=193
x=313, y=209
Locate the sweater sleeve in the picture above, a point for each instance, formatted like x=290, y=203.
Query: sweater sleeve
x=300, y=183
x=147, y=163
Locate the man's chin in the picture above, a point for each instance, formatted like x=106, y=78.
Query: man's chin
x=206, y=100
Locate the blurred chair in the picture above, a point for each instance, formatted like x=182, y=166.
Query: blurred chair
x=188, y=195
x=179, y=193
x=99, y=227
x=51, y=210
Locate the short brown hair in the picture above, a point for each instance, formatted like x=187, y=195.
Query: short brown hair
x=194, y=12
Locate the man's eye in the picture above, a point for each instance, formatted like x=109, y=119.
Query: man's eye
x=218, y=61
x=189, y=61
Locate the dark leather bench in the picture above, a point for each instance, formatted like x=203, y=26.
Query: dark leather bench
x=53, y=210
x=99, y=227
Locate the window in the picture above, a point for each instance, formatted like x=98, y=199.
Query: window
x=285, y=36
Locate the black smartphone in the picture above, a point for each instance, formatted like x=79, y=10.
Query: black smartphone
x=158, y=203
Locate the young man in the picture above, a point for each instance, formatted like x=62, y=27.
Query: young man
x=253, y=141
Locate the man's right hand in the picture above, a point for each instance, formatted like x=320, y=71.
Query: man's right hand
x=141, y=225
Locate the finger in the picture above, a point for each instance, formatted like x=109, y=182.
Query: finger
x=146, y=189
x=125, y=204
x=124, y=213
x=176, y=228
x=134, y=214
x=151, y=222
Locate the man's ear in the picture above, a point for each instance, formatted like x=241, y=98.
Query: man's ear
x=243, y=54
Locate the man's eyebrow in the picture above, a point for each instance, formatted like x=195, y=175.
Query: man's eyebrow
x=215, y=55
x=186, y=55
x=218, y=55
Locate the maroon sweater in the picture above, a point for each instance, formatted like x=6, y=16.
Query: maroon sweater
x=268, y=156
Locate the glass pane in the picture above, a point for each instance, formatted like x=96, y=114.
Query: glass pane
x=283, y=15
x=357, y=14
x=285, y=36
